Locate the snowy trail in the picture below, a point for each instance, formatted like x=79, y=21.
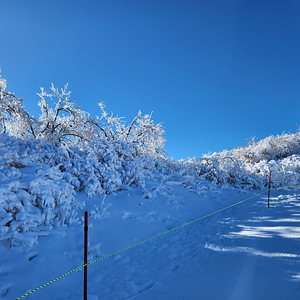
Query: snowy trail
x=245, y=252
x=250, y=253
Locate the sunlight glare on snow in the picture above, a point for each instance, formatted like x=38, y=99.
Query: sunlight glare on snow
x=268, y=232
x=250, y=251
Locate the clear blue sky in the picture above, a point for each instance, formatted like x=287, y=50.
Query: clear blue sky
x=213, y=72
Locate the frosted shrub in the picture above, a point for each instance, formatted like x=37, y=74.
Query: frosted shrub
x=63, y=122
x=33, y=196
x=34, y=205
x=278, y=154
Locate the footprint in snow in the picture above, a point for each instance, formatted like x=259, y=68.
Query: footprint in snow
x=174, y=268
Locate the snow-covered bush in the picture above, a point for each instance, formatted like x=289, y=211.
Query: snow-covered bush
x=39, y=181
x=63, y=122
x=278, y=154
x=142, y=131
x=33, y=196
x=272, y=147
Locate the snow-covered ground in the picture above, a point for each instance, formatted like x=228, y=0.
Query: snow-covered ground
x=245, y=252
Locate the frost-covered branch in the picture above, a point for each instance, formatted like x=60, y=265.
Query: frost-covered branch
x=62, y=121
x=13, y=117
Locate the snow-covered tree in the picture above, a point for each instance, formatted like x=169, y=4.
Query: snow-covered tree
x=14, y=119
x=115, y=126
x=142, y=131
x=63, y=121
x=2, y=85
x=147, y=135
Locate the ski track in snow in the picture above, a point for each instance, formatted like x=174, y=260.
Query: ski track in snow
x=245, y=252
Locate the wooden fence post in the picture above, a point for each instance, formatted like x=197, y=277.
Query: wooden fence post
x=85, y=254
x=269, y=189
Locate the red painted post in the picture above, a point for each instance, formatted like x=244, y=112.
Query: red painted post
x=85, y=254
x=269, y=189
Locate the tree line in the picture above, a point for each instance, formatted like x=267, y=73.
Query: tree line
x=62, y=121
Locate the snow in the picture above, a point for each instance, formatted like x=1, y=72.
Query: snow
x=245, y=252
x=234, y=263
x=135, y=202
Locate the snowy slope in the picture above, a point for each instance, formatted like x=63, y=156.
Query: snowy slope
x=251, y=253
x=245, y=252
